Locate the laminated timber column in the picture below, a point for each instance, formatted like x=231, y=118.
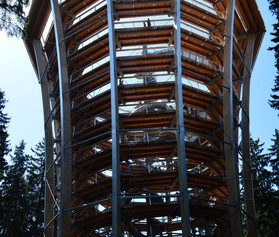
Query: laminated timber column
x=182, y=167
x=247, y=174
x=64, y=220
x=49, y=201
x=229, y=131
x=116, y=216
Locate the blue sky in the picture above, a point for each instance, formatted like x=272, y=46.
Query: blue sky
x=24, y=106
x=263, y=119
x=23, y=93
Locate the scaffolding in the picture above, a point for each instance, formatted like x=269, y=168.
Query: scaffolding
x=146, y=114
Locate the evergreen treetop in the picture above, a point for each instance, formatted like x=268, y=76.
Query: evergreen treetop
x=12, y=16
x=274, y=8
x=4, y=143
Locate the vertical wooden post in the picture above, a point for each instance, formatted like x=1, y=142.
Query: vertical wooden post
x=182, y=166
x=65, y=123
x=247, y=173
x=116, y=215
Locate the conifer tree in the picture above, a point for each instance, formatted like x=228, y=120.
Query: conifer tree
x=274, y=8
x=14, y=196
x=22, y=199
x=274, y=161
x=12, y=16
x=4, y=148
x=4, y=143
x=36, y=188
x=266, y=197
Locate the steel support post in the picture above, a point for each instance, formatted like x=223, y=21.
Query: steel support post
x=182, y=166
x=229, y=130
x=65, y=123
x=49, y=169
x=247, y=173
x=116, y=214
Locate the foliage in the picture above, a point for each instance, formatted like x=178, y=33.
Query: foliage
x=36, y=187
x=4, y=147
x=265, y=191
x=274, y=161
x=14, y=196
x=21, y=185
x=22, y=194
x=274, y=8
x=12, y=16
x=4, y=143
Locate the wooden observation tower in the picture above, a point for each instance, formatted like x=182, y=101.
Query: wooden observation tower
x=146, y=112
